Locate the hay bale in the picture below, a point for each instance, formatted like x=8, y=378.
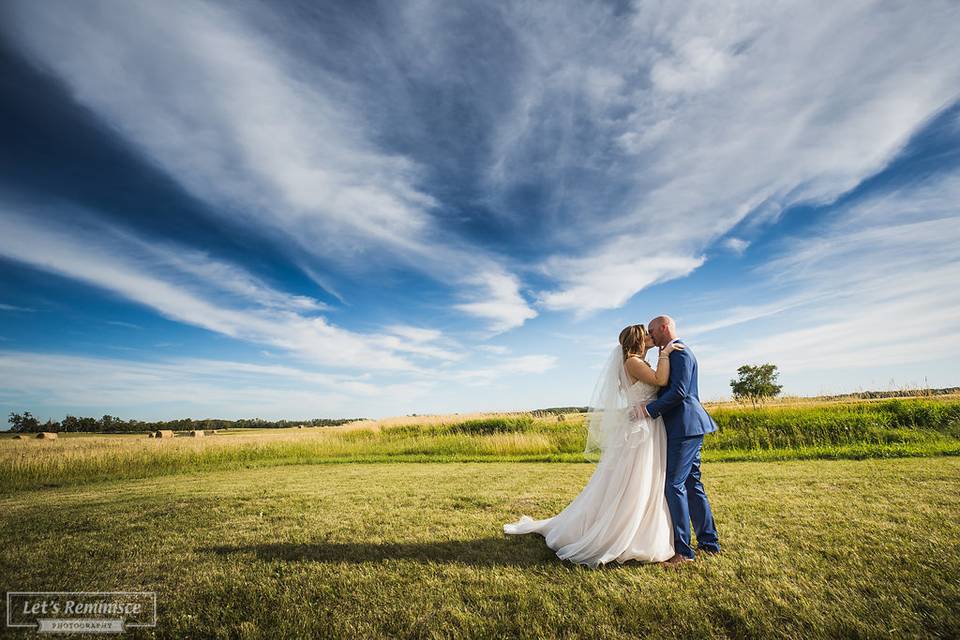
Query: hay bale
x=150, y=434
x=299, y=426
x=163, y=433
x=196, y=433
x=47, y=435
x=18, y=437
x=210, y=432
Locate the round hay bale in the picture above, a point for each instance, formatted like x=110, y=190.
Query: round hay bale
x=150, y=434
x=163, y=433
x=196, y=433
x=47, y=435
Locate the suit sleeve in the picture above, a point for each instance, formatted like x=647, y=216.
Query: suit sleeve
x=681, y=368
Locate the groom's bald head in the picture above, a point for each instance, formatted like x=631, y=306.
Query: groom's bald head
x=662, y=329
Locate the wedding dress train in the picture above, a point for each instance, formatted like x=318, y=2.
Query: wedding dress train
x=621, y=514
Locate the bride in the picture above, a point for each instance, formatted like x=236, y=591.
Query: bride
x=621, y=514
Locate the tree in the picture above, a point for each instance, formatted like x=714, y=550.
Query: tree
x=756, y=384
x=25, y=423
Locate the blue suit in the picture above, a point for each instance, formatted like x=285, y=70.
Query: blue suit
x=686, y=422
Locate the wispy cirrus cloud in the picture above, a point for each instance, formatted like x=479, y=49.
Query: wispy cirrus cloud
x=222, y=109
x=194, y=289
x=503, y=367
x=498, y=300
x=203, y=387
x=647, y=137
x=271, y=140
x=875, y=285
x=191, y=288
x=611, y=276
x=662, y=127
x=736, y=245
x=190, y=386
x=121, y=323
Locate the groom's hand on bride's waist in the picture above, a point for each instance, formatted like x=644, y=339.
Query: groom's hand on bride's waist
x=637, y=412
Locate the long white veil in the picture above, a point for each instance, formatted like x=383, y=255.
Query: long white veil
x=609, y=426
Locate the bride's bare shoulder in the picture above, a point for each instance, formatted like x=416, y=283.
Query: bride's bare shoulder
x=634, y=365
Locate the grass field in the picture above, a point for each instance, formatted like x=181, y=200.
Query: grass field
x=853, y=430
x=811, y=549
x=837, y=520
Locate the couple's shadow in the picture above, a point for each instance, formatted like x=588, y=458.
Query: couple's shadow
x=480, y=552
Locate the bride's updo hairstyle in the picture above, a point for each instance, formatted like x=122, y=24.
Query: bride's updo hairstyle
x=631, y=341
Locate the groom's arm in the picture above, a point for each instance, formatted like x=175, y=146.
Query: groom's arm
x=681, y=369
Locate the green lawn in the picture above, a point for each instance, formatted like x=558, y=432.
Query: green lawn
x=811, y=549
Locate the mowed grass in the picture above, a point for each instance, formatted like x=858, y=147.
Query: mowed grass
x=853, y=430
x=811, y=549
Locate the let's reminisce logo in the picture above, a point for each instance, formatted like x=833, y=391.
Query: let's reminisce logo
x=81, y=611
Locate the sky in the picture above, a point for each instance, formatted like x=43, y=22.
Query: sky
x=341, y=209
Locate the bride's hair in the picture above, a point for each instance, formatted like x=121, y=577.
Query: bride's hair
x=631, y=341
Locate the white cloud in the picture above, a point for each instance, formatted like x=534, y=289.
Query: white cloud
x=190, y=387
x=504, y=367
x=120, y=323
x=495, y=349
x=322, y=282
x=227, y=113
x=499, y=301
x=612, y=276
x=717, y=113
x=736, y=245
x=875, y=287
x=270, y=139
x=697, y=65
x=430, y=343
x=189, y=288
x=201, y=387
x=647, y=137
x=10, y=307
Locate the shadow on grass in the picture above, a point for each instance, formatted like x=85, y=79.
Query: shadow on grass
x=502, y=552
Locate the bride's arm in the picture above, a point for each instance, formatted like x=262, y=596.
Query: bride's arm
x=641, y=370
x=662, y=375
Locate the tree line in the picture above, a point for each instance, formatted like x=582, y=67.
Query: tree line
x=26, y=423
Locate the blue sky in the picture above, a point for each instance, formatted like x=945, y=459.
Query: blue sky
x=328, y=209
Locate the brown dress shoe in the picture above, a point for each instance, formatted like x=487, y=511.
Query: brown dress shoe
x=675, y=561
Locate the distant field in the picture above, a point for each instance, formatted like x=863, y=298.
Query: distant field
x=952, y=393
x=852, y=430
x=812, y=549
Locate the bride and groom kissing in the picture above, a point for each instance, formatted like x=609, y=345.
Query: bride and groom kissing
x=645, y=429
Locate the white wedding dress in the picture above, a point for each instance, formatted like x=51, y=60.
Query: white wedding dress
x=621, y=514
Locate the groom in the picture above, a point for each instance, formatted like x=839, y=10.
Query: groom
x=686, y=422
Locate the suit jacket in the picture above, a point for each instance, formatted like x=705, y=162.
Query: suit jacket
x=679, y=401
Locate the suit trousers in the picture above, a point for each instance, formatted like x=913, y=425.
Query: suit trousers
x=686, y=497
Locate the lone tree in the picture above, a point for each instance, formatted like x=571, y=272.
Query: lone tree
x=756, y=384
